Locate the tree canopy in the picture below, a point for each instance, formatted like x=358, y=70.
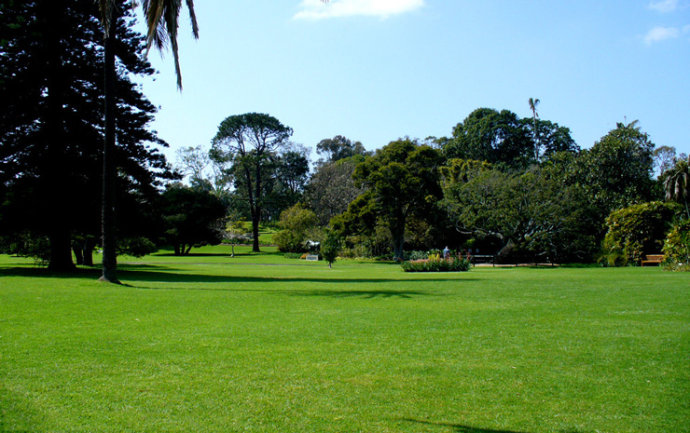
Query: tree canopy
x=50, y=130
x=402, y=181
x=248, y=143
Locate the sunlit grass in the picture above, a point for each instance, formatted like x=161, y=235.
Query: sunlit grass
x=261, y=343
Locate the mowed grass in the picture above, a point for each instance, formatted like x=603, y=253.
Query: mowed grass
x=259, y=343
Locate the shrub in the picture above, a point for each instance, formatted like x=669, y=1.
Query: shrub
x=637, y=230
x=136, y=246
x=435, y=264
x=294, y=222
x=677, y=247
x=331, y=247
x=417, y=255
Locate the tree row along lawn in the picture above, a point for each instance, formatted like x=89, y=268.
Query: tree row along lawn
x=260, y=343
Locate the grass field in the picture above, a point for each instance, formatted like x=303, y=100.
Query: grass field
x=260, y=343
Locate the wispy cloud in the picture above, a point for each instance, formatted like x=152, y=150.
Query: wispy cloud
x=664, y=5
x=317, y=9
x=658, y=34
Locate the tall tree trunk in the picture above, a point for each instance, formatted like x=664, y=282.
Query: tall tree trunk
x=256, y=220
x=398, y=233
x=256, y=215
x=108, y=193
x=52, y=168
x=78, y=250
x=88, y=251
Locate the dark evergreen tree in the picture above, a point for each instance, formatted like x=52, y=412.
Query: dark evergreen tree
x=51, y=125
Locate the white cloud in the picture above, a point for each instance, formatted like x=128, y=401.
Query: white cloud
x=658, y=34
x=664, y=5
x=317, y=9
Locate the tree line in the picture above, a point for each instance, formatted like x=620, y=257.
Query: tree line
x=515, y=188
x=498, y=184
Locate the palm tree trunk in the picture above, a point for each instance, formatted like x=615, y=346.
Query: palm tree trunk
x=107, y=200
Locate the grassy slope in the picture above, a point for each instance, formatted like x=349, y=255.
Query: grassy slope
x=262, y=343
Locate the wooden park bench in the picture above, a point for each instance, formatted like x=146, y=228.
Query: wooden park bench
x=652, y=260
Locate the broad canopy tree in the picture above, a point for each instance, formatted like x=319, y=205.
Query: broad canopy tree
x=528, y=214
x=401, y=181
x=331, y=189
x=192, y=217
x=339, y=147
x=617, y=170
x=248, y=142
x=504, y=139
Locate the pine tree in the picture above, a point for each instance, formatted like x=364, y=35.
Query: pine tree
x=51, y=81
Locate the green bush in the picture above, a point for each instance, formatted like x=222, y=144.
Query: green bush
x=677, y=247
x=137, y=246
x=418, y=255
x=635, y=231
x=294, y=222
x=331, y=247
x=437, y=265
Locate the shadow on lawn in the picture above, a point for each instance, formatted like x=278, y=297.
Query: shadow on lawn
x=228, y=255
x=366, y=294
x=135, y=274
x=461, y=428
x=169, y=277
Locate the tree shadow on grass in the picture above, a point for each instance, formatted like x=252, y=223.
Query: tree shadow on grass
x=33, y=272
x=366, y=294
x=136, y=274
x=169, y=277
x=461, y=428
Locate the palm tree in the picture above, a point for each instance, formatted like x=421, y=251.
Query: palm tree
x=677, y=183
x=162, y=22
x=533, y=106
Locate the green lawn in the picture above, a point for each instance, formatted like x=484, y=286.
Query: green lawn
x=260, y=343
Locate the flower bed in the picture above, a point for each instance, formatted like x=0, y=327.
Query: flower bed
x=453, y=264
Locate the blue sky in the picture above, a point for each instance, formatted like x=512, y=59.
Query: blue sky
x=377, y=70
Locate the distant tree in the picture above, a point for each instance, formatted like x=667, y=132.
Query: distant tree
x=331, y=189
x=532, y=213
x=402, y=181
x=617, y=170
x=248, y=142
x=330, y=248
x=236, y=234
x=192, y=218
x=203, y=172
x=537, y=142
x=194, y=162
x=664, y=158
x=339, y=147
x=286, y=176
x=677, y=183
x=639, y=229
x=295, y=222
x=492, y=136
x=553, y=138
